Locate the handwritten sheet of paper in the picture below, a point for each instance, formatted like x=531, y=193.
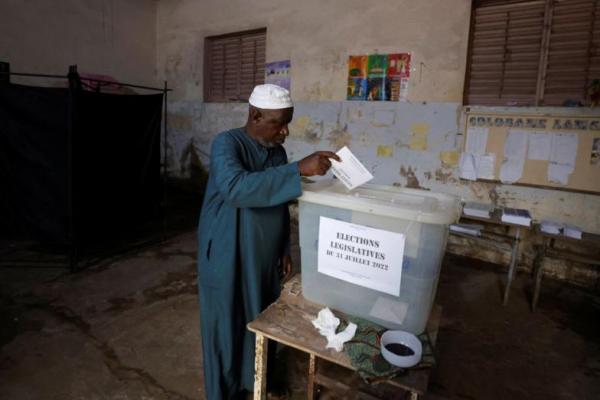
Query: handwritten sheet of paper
x=540, y=146
x=564, y=149
x=515, y=149
x=485, y=166
x=476, y=140
x=559, y=173
x=562, y=157
x=466, y=168
x=350, y=171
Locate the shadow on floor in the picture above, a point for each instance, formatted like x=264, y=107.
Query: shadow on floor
x=129, y=329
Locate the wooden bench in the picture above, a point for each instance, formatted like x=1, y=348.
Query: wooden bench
x=588, y=241
x=509, y=240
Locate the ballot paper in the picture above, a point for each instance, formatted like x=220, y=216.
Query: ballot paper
x=551, y=227
x=516, y=216
x=350, y=171
x=481, y=210
x=572, y=232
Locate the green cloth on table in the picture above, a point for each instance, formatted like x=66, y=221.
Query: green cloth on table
x=364, y=351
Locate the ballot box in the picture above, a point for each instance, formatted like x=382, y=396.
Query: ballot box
x=374, y=252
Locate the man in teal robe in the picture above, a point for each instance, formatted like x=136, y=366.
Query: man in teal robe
x=244, y=236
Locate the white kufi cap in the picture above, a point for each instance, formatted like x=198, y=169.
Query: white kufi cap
x=270, y=97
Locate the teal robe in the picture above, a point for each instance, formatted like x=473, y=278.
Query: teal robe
x=243, y=233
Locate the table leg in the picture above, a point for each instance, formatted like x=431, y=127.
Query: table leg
x=513, y=262
x=312, y=370
x=260, y=368
x=539, y=272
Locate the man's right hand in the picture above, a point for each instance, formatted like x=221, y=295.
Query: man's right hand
x=317, y=163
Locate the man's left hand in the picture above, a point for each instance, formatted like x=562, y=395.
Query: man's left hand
x=286, y=268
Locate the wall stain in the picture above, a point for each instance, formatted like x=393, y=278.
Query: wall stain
x=419, y=132
x=180, y=122
x=314, y=132
x=299, y=125
x=411, y=179
x=385, y=151
x=313, y=92
x=449, y=158
x=340, y=137
x=190, y=162
x=444, y=176
x=494, y=196
x=401, y=144
x=477, y=190
x=364, y=139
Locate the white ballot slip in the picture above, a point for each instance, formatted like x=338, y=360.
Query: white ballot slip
x=350, y=171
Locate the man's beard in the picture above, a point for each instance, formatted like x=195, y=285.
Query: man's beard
x=269, y=145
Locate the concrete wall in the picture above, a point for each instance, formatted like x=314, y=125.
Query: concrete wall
x=108, y=37
x=408, y=144
x=317, y=36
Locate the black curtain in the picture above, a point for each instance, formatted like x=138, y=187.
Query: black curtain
x=76, y=166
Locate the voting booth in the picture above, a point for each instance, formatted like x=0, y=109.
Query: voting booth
x=374, y=252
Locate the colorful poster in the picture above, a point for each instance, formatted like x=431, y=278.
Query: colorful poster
x=378, y=77
x=278, y=73
x=377, y=66
x=376, y=89
x=357, y=89
x=399, y=65
x=357, y=66
x=398, y=88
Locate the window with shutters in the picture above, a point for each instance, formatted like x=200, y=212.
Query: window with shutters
x=533, y=52
x=233, y=65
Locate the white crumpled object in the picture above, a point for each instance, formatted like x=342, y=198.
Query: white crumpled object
x=327, y=323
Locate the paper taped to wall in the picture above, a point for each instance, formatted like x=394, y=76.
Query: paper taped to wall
x=559, y=173
x=540, y=145
x=564, y=149
x=562, y=157
x=485, y=165
x=515, y=149
x=466, y=168
x=350, y=171
x=476, y=140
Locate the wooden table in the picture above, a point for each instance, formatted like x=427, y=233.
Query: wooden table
x=288, y=321
x=497, y=240
x=546, y=249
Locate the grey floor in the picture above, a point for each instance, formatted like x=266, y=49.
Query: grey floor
x=129, y=329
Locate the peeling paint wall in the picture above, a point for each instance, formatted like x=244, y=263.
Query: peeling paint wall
x=407, y=144
x=108, y=37
x=317, y=36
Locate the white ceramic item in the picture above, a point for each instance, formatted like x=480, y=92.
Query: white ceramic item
x=407, y=339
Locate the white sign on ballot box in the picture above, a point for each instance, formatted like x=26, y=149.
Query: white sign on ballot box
x=361, y=255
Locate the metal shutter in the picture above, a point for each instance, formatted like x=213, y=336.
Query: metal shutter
x=573, y=53
x=541, y=52
x=504, y=56
x=234, y=64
